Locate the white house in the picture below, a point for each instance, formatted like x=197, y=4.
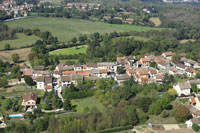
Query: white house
x=29, y=100
x=190, y=122
x=77, y=67
x=182, y=88
x=65, y=80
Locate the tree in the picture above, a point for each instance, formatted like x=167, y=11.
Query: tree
x=195, y=127
x=144, y=103
x=7, y=46
x=172, y=92
x=155, y=108
x=74, y=40
x=176, y=58
x=165, y=103
x=19, y=76
x=120, y=70
x=28, y=80
x=15, y=57
x=67, y=105
x=198, y=75
x=3, y=82
x=182, y=114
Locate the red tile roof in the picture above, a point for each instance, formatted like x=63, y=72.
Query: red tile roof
x=69, y=72
x=193, y=100
x=144, y=59
x=48, y=87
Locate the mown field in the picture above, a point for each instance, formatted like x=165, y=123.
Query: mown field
x=69, y=51
x=66, y=29
x=21, y=41
x=88, y=103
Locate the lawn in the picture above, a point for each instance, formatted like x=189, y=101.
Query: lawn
x=66, y=29
x=21, y=41
x=184, y=100
x=89, y=102
x=69, y=51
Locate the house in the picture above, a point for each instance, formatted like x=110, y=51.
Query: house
x=121, y=78
x=173, y=71
x=181, y=67
x=183, y=89
x=153, y=73
x=77, y=67
x=131, y=72
x=41, y=73
x=192, y=121
x=65, y=80
x=188, y=62
x=90, y=66
x=159, y=78
x=162, y=64
x=191, y=72
x=64, y=73
x=130, y=60
x=44, y=83
x=145, y=61
x=56, y=74
x=121, y=61
x=196, y=66
x=194, y=111
x=107, y=65
x=28, y=73
x=29, y=100
x=168, y=55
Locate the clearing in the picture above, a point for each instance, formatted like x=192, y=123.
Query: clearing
x=89, y=103
x=66, y=29
x=156, y=21
x=21, y=41
x=69, y=51
x=23, y=54
x=186, y=40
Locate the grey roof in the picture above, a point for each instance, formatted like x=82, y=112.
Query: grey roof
x=44, y=79
x=106, y=64
x=123, y=77
x=42, y=72
x=195, y=81
x=181, y=65
x=188, y=60
x=184, y=85
x=39, y=67
x=76, y=76
x=92, y=77
x=66, y=68
x=94, y=71
x=77, y=65
x=196, y=120
x=91, y=65
x=192, y=109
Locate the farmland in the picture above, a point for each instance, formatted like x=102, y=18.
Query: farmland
x=66, y=29
x=69, y=51
x=21, y=41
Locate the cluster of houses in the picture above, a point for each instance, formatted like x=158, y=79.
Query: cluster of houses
x=11, y=8
x=84, y=6
x=142, y=71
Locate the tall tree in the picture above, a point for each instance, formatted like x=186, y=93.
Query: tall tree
x=15, y=57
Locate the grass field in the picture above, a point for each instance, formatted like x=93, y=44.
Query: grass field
x=21, y=41
x=69, y=51
x=89, y=102
x=66, y=29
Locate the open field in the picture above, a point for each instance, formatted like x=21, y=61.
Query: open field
x=186, y=40
x=66, y=29
x=159, y=120
x=23, y=54
x=21, y=41
x=156, y=21
x=18, y=90
x=69, y=51
x=89, y=102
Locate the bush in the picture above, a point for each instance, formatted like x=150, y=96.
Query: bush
x=195, y=127
x=165, y=114
x=80, y=94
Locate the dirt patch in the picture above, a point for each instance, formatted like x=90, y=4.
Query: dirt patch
x=23, y=54
x=155, y=20
x=186, y=40
x=171, y=126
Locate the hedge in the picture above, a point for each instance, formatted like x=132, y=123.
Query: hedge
x=115, y=129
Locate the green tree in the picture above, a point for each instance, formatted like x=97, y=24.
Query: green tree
x=144, y=103
x=7, y=46
x=198, y=75
x=195, y=127
x=165, y=103
x=3, y=82
x=120, y=70
x=155, y=108
x=28, y=80
x=182, y=114
x=67, y=105
x=15, y=57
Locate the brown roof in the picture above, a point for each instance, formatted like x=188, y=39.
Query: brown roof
x=87, y=74
x=131, y=71
x=153, y=71
x=30, y=96
x=44, y=79
x=65, y=78
x=193, y=100
x=142, y=72
x=191, y=70
x=105, y=70
x=77, y=65
x=196, y=120
x=69, y=72
x=48, y=87
x=160, y=76
x=28, y=73
x=163, y=62
x=145, y=59
x=169, y=54
x=91, y=65
x=122, y=77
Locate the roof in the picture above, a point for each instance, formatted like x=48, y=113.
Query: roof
x=91, y=65
x=163, y=62
x=123, y=77
x=75, y=76
x=104, y=70
x=195, y=81
x=153, y=71
x=30, y=96
x=69, y=72
x=92, y=77
x=181, y=65
x=39, y=67
x=190, y=70
x=193, y=110
x=142, y=71
x=65, y=78
x=28, y=73
x=131, y=71
x=66, y=68
x=169, y=54
x=184, y=85
x=182, y=54
x=160, y=76
x=144, y=59
x=87, y=74
x=77, y=65
x=193, y=100
x=106, y=64
x=196, y=120
x=173, y=69
x=188, y=60
x=48, y=87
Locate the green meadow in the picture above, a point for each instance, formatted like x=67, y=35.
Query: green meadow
x=21, y=41
x=66, y=29
x=69, y=51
